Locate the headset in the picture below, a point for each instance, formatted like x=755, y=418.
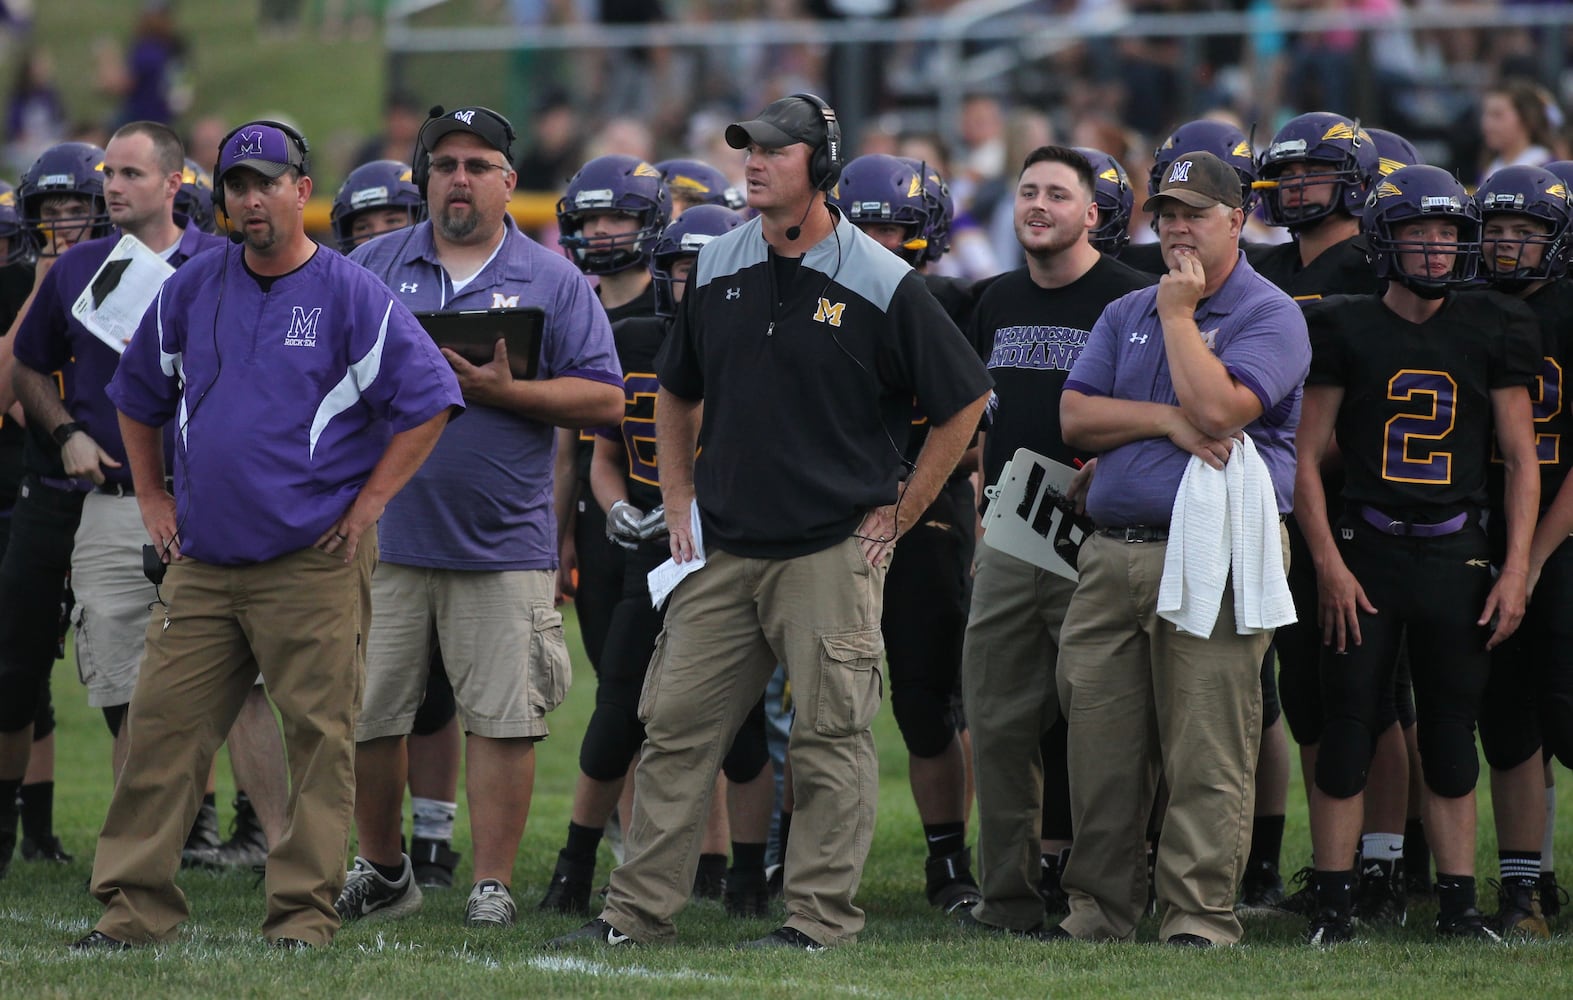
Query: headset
x=301, y=145
x=420, y=161
x=824, y=169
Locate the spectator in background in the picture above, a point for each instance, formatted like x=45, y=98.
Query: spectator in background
x=206, y=135
x=36, y=117
x=402, y=116
x=994, y=204
x=150, y=80
x=625, y=137
x=1515, y=126
x=983, y=156
x=555, y=148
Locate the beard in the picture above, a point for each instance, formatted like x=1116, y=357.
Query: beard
x=261, y=240
x=1058, y=242
x=458, y=226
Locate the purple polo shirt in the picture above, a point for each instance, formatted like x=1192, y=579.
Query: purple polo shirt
x=1258, y=333
x=283, y=400
x=483, y=500
x=51, y=339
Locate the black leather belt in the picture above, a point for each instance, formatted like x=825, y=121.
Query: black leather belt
x=1412, y=529
x=1137, y=533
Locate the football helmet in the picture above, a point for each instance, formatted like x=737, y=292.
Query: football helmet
x=1538, y=194
x=1421, y=192
x=1115, y=200
x=613, y=183
x=692, y=230
x=20, y=249
x=194, y=200
x=877, y=188
x=378, y=184
x=700, y=183
x=1221, y=139
x=941, y=209
x=1323, y=138
x=1393, y=151
x=1563, y=169
x=69, y=168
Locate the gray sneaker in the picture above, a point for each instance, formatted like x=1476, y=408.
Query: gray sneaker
x=203, y=839
x=490, y=905
x=369, y=896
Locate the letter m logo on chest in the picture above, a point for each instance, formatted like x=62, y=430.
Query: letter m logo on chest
x=501, y=301
x=829, y=312
x=302, y=327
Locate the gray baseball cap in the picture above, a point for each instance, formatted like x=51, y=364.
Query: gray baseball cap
x=782, y=123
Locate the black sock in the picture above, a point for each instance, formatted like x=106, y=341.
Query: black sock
x=583, y=841
x=391, y=873
x=783, y=828
x=1455, y=893
x=1334, y=890
x=1267, y=841
x=1516, y=864
x=38, y=811
x=1417, y=853
x=8, y=794
x=210, y=799
x=748, y=857
x=945, y=839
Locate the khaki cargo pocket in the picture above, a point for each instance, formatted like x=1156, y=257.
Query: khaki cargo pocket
x=849, y=682
x=551, y=671
x=652, y=678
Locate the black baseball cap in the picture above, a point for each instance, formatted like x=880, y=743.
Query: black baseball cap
x=1200, y=180
x=784, y=122
x=492, y=128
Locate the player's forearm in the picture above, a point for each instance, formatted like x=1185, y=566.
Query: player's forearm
x=676, y=440
x=1310, y=512
x=565, y=483
x=607, y=481
x=942, y=450
x=1522, y=502
x=40, y=398
x=144, y=455
x=568, y=401
x=1553, y=527
x=1102, y=423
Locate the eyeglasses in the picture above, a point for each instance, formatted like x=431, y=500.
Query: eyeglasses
x=446, y=165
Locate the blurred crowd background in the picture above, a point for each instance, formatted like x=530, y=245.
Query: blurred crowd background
x=968, y=85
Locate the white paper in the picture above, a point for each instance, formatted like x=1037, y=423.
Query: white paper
x=115, y=317
x=665, y=577
x=1022, y=519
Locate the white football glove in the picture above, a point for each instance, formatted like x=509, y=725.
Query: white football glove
x=623, y=522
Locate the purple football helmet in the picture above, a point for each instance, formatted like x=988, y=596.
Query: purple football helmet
x=700, y=183
x=613, y=183
x=71, y=169
x=877, y=188
x=1221, y=139
x=1326, y=140
x=378, y=184
x=1422, y=192
x=1115, y=199
x=194, y=200
x=692, y=230
x=1540, y=195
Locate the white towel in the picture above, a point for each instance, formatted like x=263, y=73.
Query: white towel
x=1222, y=518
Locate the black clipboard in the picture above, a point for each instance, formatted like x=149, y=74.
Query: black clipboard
x=473, y=334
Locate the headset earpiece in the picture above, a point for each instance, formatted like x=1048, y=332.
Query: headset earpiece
x=824, y=168
x=301, y=145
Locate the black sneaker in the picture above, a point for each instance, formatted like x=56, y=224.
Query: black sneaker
x=951, y=886
x=1380, y=896
x=785, y=937
x=747, y=894
x=1329, y=926
x=710, y=877
x=247, y=845
x=1051, y=869
x=1188, y=941
x=48, y=849
x=596, y=932
x=1467, y=925
x=289, y=944
x=1417, y=881
x=1518, y=909
x=99, y=941
x=569, y=890
x=1301, y=902
x=369, y=896
x=1261, y=891
x=434, y=861
x=1552, y=896
x=203, y=839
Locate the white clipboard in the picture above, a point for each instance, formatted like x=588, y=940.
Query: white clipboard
x=1027, y=517
x=112, y=304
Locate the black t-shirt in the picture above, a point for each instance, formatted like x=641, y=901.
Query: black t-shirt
x=1553, y=307
x=808, y=390
x=1415, y=424
x=639, y=340
x=642, y=304
x=1030, y=337
x=1341, y=269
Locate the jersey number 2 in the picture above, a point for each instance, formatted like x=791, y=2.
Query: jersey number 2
x=1405, y=458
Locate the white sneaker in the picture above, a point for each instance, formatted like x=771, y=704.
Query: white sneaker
x=490, y=905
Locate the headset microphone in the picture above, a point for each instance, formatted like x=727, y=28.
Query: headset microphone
x=793, y=232
x=237, y=237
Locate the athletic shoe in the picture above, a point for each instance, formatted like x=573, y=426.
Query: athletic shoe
x=967, y=921
x=434, y=861
x=1552, y=896
x=247, y=845
x=1329, y=926
x=99, y=941
x=1188, y=941
x=1380, y=897
x=596, y=932
x=785, y=937
x=1261, y=891
x=8, y=822
x=1051, y=869
x=1518, y=908
x=369, y=896
x=951, y=886
x=775, y=878
x=48, y=849
x=1302, y=902
x=289, y=944
x=1469, y=925
x=569, y=890
x=710, y=877
x=747, y=894
x=1417, y=882
x=490, y=905
x=203, y=839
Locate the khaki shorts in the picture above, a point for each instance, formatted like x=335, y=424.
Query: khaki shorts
x=112, y=597
x=502, y=644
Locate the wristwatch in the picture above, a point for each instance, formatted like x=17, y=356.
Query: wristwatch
x=64, y=432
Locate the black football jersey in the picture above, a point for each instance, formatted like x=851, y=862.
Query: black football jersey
x=641, y=305
x=639, y=340
x=1553, y=307
x=955, y=296
x=1415, y=426
x=1341, y=269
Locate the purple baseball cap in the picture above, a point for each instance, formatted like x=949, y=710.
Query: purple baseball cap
x=260, y=146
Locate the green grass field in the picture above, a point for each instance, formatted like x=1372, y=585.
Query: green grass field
x=907, y=950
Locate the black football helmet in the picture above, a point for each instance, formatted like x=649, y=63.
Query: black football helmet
x=692, y=230
x=613, y=183
x=19, y=248
x=1115, y=199
x=1326, y=139
x=378, y=184
x=1422, y=192
x=1541, y=195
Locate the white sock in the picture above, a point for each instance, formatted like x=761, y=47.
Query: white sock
x=1382, y=846
x=1547, y=862
x=434, y=819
